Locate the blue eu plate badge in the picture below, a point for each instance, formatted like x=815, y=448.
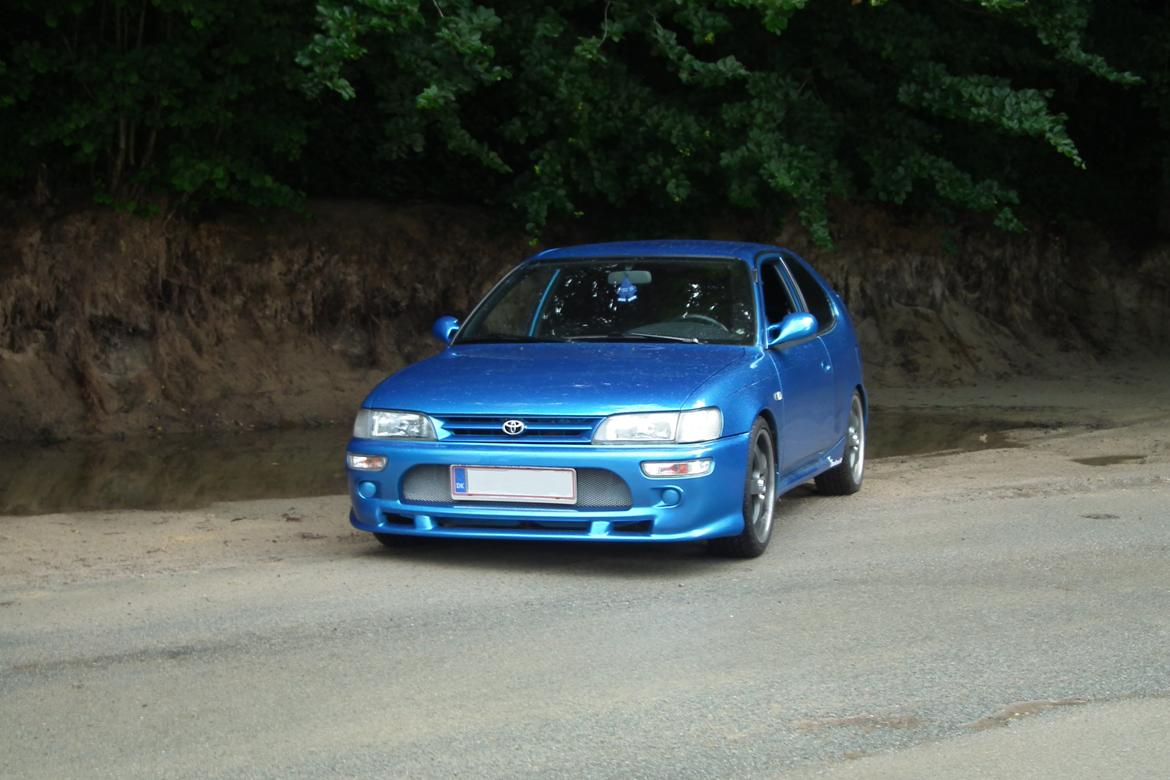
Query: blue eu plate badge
x=459, y=480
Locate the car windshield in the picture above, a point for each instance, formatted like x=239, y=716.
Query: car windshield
x=619, y=299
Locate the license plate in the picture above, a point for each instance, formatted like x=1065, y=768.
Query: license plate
x=529, y=485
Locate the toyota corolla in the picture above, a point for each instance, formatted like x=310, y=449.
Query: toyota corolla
x=644, y=391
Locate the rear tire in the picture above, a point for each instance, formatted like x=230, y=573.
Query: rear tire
x=759, y=499
x=846, y=477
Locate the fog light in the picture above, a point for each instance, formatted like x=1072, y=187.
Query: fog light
x=367, y=489
x=365, y=462
x=678, y=468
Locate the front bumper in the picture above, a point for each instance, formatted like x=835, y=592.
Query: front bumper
x=659, y=510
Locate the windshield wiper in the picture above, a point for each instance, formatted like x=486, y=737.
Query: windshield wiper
x=632, y=336
x=664, y=337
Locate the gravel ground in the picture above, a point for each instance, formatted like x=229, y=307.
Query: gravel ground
x=987, y=613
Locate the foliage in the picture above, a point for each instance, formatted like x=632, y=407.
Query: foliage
x=123, y=97
x=676, y=107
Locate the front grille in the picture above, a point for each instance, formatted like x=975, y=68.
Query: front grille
x=476, y=524
x=542, y=430
x=596, y=489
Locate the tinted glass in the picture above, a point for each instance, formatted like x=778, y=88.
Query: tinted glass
x=777, y=301
x=627, y=299
x=511, y=312
x=814, y=295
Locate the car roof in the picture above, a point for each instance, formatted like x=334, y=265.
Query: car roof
x=660, y=248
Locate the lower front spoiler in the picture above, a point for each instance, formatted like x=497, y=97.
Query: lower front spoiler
x=625, y=529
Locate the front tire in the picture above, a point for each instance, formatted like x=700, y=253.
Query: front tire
x=759, y=498
x=845, y=478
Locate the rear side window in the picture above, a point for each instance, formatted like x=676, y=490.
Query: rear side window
x=814, y=295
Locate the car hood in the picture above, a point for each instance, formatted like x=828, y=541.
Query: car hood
x=560, y=379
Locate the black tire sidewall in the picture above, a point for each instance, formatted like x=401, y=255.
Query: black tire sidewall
x=759, y=427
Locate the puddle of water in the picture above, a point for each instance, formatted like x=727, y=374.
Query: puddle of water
x=185, y=472
x=171, y=472
x=1109, y=460
x=894, y=432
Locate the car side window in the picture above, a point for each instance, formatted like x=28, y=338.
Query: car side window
x=815, y=296
x=777, y=302
x=512, y=316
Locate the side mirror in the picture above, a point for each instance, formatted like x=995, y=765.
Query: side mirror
x=792, y=328
x=445, y=328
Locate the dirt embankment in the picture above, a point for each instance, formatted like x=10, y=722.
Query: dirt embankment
x=112, y=324
x=950, y=305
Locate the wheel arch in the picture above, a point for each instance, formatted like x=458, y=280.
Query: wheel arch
x=864, y=402
x=766, y=415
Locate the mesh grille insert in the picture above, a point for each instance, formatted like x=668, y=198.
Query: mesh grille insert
x=511, y=525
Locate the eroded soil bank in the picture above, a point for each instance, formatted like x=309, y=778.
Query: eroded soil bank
x=112, y=324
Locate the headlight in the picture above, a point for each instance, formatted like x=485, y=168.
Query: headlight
x=700, y=425
x=682, y=427
x=384, y=424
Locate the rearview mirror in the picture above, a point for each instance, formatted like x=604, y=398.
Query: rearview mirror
x=792, y=328
x=445, y=328
x=635, y=277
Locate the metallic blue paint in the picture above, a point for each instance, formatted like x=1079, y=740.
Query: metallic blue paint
x=445, y=328
x=796, y=326
x=580, y=378
x=802, y=388
x=700, y=511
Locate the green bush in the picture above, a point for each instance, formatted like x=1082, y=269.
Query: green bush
x=673, y=108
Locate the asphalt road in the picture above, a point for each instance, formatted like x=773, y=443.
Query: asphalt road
x=985, y=614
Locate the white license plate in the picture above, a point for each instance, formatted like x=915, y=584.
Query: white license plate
x=531, y=485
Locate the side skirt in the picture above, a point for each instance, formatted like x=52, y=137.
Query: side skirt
x=822, y=463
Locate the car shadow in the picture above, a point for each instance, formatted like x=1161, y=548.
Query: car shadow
x=799, y=493
x=631, y=560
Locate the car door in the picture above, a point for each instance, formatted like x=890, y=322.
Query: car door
x=834, y=332
x=804, y=406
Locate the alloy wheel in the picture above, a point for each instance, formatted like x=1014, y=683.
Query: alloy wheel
x=855, y=441
x=762, y=486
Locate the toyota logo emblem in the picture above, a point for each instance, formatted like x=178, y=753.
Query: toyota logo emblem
x=514, y=427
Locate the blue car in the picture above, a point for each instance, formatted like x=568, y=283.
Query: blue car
x=645, y=391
